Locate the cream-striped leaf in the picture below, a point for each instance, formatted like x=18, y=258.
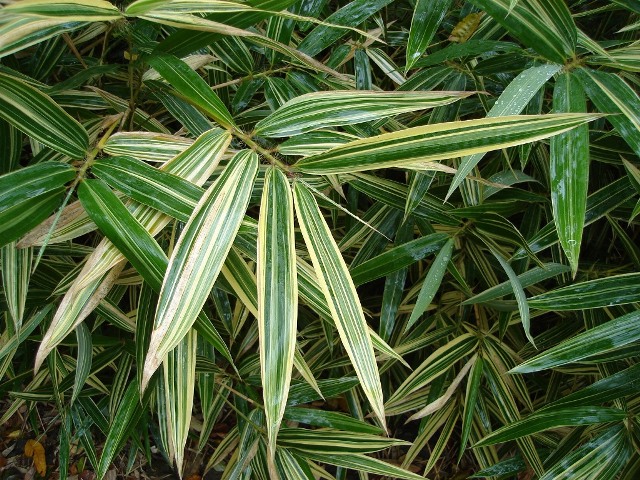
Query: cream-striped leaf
x=341, y=296
x=147, y=146
x=37, y=115
x=21, y=32
x=15, y=268
x=67, y=10
x=195, y=164
x=179, y=384
x=413, y=146
x=199, y=255
x=277, y=297
x=314, y=111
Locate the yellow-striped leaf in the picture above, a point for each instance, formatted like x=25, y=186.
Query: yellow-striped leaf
x=199, y=255
x=414, y=146
x=341, y=296
x=277, y=297
x=37, y=115
x=67, y=10
x=314, y=111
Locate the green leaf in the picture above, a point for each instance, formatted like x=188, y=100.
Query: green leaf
x=611, y=94
x=438, y=363
x=351, y=14
x=191, y=85
x=569, y=170
x=84, y=360
x=544, y=25
x=159, y=189
x=415, y=146
x=23, y=216
x=277, y=297
x=620, y=384
x=15, y=269
x=68, y=10
x=553, y=418
x=397, y=258
x=322, y=418
x=602, y=292
x=512, y=101
x=317, y=110
x=37, y=115
x=31, y=181
x=122, y=228
x=431, y=282
x=602, y=458
x=518, y=291
x=362, y=463
x=427, y=17
x=199, y=255
x=147, y=146
x=526, y=279
x=20, y=32
x=615, y=333
x=341, y=296
x=179, y=384
x=329, y=441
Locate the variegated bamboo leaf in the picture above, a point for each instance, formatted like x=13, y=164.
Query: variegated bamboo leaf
x=341, y=296
x=314, y=111
x=412, y=146
x=277, y=297
x=199, y=255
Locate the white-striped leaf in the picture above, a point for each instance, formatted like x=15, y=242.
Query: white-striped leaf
x=314, y=111
x=277, y=297
x=416, y=145
x=18, y=33
x=341, y=296
x=199, y=255
x=37, y=115
x=15, y=269
x=147, y=146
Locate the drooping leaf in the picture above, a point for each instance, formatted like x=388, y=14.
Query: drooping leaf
x=341, y=296
x=198, y=256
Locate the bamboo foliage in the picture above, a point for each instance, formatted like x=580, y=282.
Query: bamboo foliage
x=313, y=222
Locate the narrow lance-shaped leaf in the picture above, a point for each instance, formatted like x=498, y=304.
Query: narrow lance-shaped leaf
x=569, y=170
x=602, y=292
x=615, y=333
x=414, y=146
x=544, y=25
x=314, y=111
x=554, y=418
x=431, y=282
x=189, y=84
x=518, y=291
x=195, y=164
x=611, y=94
x=199, y=255
x=179, y=384
x=512, y=101
x=15, y=269
x=67, y=10
x=427, y=17
x=37, y=115
x=277, y=297
x=341, y=296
